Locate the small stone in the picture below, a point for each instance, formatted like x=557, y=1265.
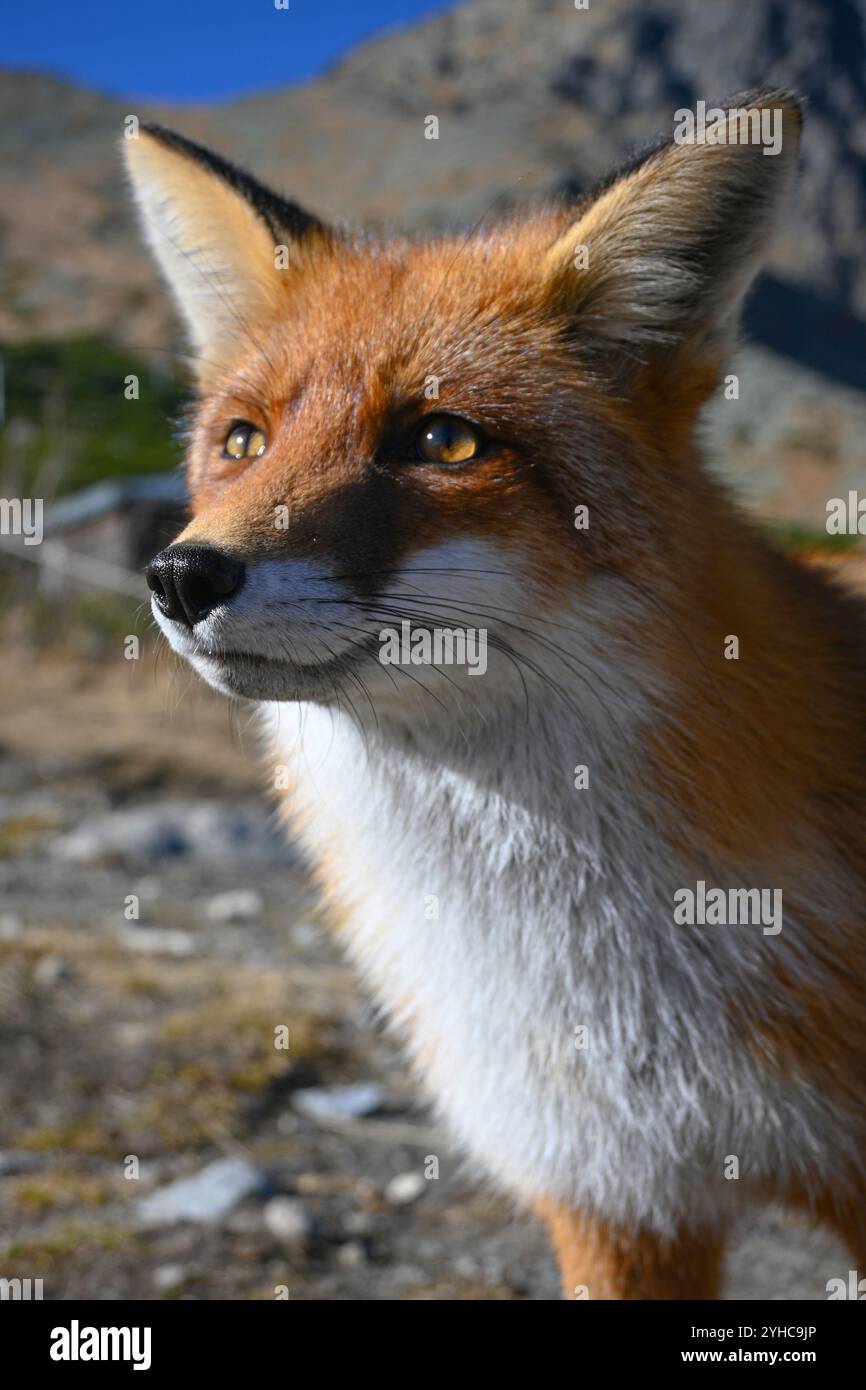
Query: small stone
x=49, y=971
x=132, y=1034
x=207, y=832
x=351, y=1255
x=338, y=1102
x=239, y=905
x=358, y=1223
x=305, y=935
x=156, y=941
x=11, y=926
x=405, y=1188
x=207, y=1196
x=148, y=888
x=168, y=1277
x=16, y=1161
x=287, y=1219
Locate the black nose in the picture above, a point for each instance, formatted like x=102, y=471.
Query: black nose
x=189, y=580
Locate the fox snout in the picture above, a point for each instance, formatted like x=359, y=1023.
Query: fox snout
x=261, y=628
x=189, y=581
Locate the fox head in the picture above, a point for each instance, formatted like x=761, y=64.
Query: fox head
x=490, y=431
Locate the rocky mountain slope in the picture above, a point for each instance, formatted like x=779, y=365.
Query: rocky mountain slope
x=532, y=96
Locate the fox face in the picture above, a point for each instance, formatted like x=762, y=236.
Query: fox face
x=489, y=431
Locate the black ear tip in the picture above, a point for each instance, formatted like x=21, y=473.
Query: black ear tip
x=173, y=140
x=279, y=214
x=159, y=132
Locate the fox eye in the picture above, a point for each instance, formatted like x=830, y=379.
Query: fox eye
x=244, y=441
x=447, y=439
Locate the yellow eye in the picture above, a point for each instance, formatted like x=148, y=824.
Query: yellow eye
x=244, y=442
x=447, y=439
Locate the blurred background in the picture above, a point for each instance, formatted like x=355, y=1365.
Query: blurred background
x=154, y=932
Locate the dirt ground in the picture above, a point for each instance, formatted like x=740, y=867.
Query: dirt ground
x=140, y=1050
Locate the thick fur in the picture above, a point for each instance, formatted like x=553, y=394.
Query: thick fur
x=495, y=909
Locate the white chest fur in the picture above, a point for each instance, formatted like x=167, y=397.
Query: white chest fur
x=521, y=933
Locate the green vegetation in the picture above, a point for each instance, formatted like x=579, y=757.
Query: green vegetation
x=69, y=422
x=92, y=624
x=798, y=538
x=79, y=1240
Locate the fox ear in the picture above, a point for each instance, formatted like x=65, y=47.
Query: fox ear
x=664, y=253
x=223, y=240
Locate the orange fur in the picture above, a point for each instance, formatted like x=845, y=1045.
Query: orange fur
x=598, y=1261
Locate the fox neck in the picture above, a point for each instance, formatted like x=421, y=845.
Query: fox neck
x=740, y=745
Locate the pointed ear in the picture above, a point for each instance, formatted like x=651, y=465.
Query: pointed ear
x=664, y=253
x=216, y=233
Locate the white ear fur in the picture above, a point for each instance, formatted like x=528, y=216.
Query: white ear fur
x=215, y=233
x=672, y=244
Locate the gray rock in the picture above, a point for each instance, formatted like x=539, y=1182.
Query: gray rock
x=327, y=1104
x=466, y=1266
x=405, y=1188
x=169, y=1277
x=16, y=1161
x=167, y=941
x=358, y=1223
x=11, y=926
x=287, y=1219
x=49, y=971
x=211, y=832
x=239, y=905
x=305, y=935
x=207, y=1196
x=351, y=1255
x=148, y=888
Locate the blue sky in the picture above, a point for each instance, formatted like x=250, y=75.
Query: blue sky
x=192, y=50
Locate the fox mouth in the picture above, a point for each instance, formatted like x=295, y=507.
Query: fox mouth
x=252, y=676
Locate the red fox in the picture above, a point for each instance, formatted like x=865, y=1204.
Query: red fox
x=608, y=884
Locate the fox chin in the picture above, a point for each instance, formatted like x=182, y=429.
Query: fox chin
x=497, y=434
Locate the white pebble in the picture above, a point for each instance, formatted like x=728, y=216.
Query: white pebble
x=287, y=1219
x=239, y=905
x=405, y=1188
